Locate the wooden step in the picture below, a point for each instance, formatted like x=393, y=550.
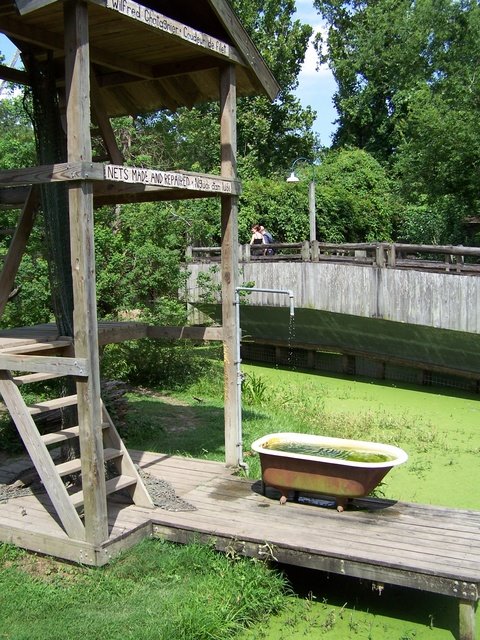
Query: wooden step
x=64, y=434
x=115, y=484
x=39, y=346
x=75, y=465
x=35, y=377
x=49, y=405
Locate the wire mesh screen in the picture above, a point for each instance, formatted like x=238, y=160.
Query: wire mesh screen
x=361, y=366
x=44, y=110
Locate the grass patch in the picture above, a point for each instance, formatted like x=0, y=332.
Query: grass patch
x=156, y=591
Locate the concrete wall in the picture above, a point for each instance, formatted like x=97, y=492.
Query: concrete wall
x=440, y=300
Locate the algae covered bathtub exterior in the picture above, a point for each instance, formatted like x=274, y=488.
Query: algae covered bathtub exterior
x=337, y=477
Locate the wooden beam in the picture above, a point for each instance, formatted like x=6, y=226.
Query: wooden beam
x=13, y=197
x=255, y=62
x=185, y=333
x=172, y=179
x=111, y=333
x=172, y=29
x=103, y=122
x=229, y=266
x=17, y=247
x=63, y=171
x=155, y=178
x=77, y=75
x=13, y=75
x=58, y=365
x=40, y=457
x=161, y=71
x=26, y=6
x=117, y=193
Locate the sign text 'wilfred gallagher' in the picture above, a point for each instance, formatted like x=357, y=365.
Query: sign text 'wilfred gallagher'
x=159, y=21
x=157, y=178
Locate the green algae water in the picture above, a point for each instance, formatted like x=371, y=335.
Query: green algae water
x=309, y=449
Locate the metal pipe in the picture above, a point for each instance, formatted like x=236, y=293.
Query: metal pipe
x=239, y=440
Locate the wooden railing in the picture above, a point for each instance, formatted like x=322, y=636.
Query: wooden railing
x=455, y=259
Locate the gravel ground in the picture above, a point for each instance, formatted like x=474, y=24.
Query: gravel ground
x=162, y=493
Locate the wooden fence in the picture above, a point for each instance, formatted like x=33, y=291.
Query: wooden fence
x=455, y=259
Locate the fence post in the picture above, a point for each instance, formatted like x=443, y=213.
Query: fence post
x=246, y=253
x=315, y=246
x=189, y=253
x=392, y=259
x=380, y=255
x=306, y=251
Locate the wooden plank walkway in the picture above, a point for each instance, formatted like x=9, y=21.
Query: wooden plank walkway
x=419, y=546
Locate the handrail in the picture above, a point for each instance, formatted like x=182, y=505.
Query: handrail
x=449, y=258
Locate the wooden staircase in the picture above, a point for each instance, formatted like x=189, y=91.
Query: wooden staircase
x=54, y=362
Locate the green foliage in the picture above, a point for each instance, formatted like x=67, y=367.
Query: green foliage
x=157, y=363
x=32, y=304
x=254, y=389
x=154, y=363
x=209, y=290
x=355, y=200
x=408, y=92
x=17, y=142
x=137, y=257
x=283, y=210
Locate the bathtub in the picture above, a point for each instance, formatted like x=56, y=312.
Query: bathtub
x=313, y=474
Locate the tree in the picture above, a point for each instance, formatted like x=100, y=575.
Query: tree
x=375, y=50
x=355, y=200
x=409, y=93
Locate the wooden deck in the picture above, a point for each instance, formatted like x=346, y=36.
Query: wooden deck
x=425, y=547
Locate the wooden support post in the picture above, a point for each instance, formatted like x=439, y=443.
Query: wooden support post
x=103, y=121
x=77, y=70
x=229, y=267
x=466, y=621
x=17, y=246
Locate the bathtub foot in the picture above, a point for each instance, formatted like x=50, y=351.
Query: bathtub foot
x=283, y=499
x=342, y=503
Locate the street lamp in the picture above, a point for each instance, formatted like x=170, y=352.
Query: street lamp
x=312, y=216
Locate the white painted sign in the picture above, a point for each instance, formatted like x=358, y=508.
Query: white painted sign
x=171, y=179
x=168, y=25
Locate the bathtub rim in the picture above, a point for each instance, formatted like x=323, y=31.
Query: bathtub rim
x=377, y=447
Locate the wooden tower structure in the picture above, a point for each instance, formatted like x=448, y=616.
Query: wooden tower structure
x=113, y=58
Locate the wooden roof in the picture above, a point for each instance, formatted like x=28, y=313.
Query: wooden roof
x=149, y=56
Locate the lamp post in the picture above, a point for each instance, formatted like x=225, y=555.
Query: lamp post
x=312, y=215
